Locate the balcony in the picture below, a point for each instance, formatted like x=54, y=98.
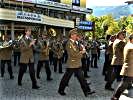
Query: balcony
x=12, y=15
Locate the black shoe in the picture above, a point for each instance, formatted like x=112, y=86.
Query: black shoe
x=109, y=88
x=86, y=76
x=49, y=79
x=35, y=87
x=60, y=72
x=114, y=98
x=89, y=93
x=38, y=77
x=62, y=93
x=12, y=77
x=19, y=84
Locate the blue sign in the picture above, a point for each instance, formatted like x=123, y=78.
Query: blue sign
x=76, y=2
x=85, y=25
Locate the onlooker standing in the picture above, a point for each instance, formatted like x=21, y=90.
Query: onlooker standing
x=117, y=60
x=108, y=66
x=127, y=70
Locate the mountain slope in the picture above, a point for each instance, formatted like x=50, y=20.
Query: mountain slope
x=116, y=11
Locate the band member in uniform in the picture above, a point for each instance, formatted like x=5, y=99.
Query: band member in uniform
x=16, y=53
x=94, y=54
x=127, y=70
x=44, y=58
x=88, y=46
x=57, y=55
x=5, y=56
x=27, y=58
x=81, y=46
x=74, y=65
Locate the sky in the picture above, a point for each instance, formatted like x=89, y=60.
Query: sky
x=91, y=3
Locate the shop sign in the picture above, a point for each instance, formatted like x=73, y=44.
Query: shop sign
x=28, y=17
x=54, y=4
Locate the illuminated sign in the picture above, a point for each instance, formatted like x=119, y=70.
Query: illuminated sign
x=86, y=25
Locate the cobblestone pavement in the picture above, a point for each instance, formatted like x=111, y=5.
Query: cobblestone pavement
x=9, y=90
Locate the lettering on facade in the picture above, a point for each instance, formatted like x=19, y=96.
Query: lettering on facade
x=30, y=17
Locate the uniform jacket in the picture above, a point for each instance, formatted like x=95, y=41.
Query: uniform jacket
x=94, y=47
x=74, y=55
x=6, y=53
x=118, y=47
x=127, y=68
x=58, y=51
x=44, y=54
x=26, y=52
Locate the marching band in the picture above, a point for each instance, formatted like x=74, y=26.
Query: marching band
x=76, y=52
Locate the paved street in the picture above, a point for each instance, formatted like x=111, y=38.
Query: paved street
x=9, y=89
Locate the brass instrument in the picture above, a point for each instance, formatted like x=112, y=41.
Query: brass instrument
x=10, y=43
x=51, y=32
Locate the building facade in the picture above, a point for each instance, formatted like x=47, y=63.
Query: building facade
x=40, y=15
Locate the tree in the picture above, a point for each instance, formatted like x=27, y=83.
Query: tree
x=105, y=25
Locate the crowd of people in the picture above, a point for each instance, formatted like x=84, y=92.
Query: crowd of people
x=118, y=63
x=78, y=54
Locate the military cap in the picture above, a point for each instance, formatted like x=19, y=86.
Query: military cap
x=73, y=31
x=28, y=29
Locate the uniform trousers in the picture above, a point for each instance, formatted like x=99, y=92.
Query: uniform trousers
x=125, y=83
x=94, y=60
x=22, y=70
x=47, y=69
x=84, y=66
x=79, y=74
x=3, y=62
x=16, y=58
x=56, y=62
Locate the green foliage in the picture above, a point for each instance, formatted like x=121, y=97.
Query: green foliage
x=105, y=25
